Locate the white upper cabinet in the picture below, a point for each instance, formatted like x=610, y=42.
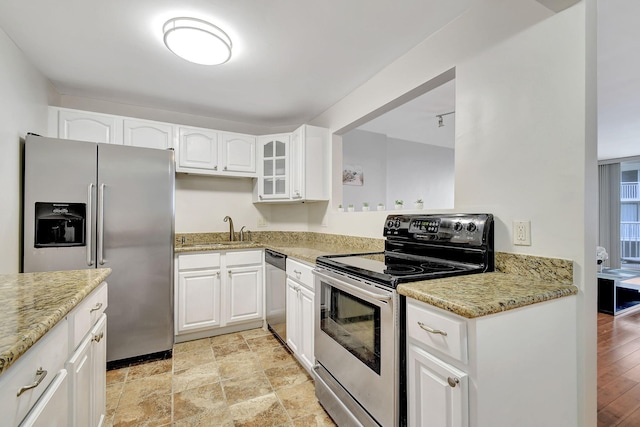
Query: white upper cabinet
x=208, y=152
x=239, y=152
x=273, y=178
x=85, y=126
x=148, y=134
x=293, y=167
x=197, y=151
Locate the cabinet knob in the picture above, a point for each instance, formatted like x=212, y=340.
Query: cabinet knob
x=453, y=382
x=225, y=168
x=215, y=168
x=218, y=273
x=98, y=337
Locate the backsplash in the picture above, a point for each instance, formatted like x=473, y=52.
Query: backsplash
x=546, y=269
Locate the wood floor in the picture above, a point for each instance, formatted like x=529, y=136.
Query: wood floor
x=619, y=370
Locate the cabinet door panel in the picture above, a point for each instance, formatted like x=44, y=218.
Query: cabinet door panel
x=80, y=372
x=433, y=401
x=198, y=149
x=239, y=152
x=306, y=328
x=99, y=375
x=85, y=126
x=52, y=408
x=293, y=316
x=141, y=133
x=244, y=294
x=199, y=297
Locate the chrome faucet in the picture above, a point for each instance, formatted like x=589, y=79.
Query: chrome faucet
x=242, y=233
x=232, y=233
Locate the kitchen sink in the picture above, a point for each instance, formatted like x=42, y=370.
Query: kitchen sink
x=218, y=244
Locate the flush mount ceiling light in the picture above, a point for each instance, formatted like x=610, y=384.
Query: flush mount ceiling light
x=197, y=41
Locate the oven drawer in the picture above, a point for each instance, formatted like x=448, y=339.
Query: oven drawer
x=428, y=326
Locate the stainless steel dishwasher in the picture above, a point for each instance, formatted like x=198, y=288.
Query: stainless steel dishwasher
x=276, y=292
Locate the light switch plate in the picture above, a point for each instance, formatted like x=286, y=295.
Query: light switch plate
x=522, y=233
x=262, y=221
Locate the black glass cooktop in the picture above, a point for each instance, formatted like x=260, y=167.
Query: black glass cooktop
x=391, y=269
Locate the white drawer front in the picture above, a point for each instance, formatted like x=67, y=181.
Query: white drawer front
x=192, y=261
x=421, y=319
x=49, y=354
x=82, y=318
x=300, y=272
x=244, y=258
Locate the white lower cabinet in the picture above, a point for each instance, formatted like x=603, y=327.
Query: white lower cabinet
x=61, y=381
x=513, y=368
x=217, y=291
x=87, y=368
x=438, y=392
x=300, y=318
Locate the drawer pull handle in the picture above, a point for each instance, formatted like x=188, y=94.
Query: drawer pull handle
x=431, y=330
x=97, y=307
x=40, y=374
x=453, y=382
x=98, y=337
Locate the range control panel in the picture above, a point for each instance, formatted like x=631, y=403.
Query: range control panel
x=455, y=228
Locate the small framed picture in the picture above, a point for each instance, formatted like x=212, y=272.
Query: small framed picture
x=352, y=175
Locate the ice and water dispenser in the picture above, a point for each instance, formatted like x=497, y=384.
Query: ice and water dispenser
x=60, y=224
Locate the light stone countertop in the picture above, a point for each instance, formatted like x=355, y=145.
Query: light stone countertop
x=520, y=280
x=33, y=303
x=482, y=294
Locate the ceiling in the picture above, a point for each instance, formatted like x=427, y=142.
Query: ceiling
x=292, y=59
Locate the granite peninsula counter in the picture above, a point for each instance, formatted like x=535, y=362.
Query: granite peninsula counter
x=33, y=303
x=479, y=295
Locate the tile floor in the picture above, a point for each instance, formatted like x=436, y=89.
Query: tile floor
x=240, y=379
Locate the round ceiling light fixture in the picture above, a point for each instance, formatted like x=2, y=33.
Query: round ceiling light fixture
x=197, y=41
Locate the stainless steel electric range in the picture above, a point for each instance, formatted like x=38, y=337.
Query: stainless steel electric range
x=357, y=309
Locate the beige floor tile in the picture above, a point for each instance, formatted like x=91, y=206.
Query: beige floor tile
x=188, y=346
x=197, y=376
x=245, y=388
x=145, y=370
x=155, y=410
x=114, y=391
x=275, y=356
x=197, y=401
x=220, y=417
x=262, y=343
x=136, y=392
x=257, y=332
x=319, y=419
x=226, y=339
x=263, y=411
x=238, y=365
x=191, y=359
x=221, y=350
x=117, y=375
x=299, y=400
x=288, y=375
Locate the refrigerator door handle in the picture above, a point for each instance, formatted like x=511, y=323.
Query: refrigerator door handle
x=100, y=236
x=88, y=225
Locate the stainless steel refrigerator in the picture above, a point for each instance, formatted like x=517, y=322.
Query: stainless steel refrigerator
x=89, y=205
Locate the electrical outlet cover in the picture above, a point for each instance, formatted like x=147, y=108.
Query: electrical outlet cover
x=522, y=233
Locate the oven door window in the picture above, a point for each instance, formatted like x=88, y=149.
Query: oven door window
x=352, y=323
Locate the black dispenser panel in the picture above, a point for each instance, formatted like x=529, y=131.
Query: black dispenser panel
x=60, y=224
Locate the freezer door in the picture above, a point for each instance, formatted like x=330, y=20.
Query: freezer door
x=59, y=176
x=135, y=240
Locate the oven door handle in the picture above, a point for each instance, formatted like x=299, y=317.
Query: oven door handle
x=348, y=287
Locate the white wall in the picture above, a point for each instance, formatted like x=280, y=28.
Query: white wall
x=525, y=137
x=23, y=108
x=368, y=150
x=420, y=171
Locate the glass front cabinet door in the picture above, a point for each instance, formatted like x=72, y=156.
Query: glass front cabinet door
x=274, y=179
